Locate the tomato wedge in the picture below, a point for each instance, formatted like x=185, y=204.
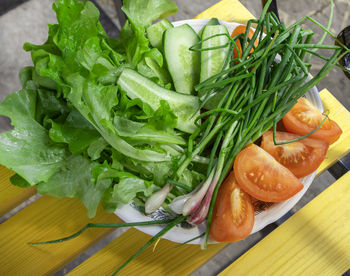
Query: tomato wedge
x=304, y=118
x=239, y=30
x=233, y=214
x=301, y=158
x=262, y=177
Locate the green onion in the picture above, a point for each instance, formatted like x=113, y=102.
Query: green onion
x=154, y=238
x=185, y=187
x=186, y=242
x=296, y=139
x=105, y=225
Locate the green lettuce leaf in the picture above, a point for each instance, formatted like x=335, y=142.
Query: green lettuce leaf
x=27, y=149
x=128, y=187
x=94, y=102
x=87, y=68
x=19, y=181
x=133, y=109
x=50, y=105
x=95, y=148
x=76, y=134
x=136, y=131
x=78, y=22
x=134, y=42
x=145, y=12
x=74, y=180
x=152, y=67
x=164, y=118
x=75, y=131
x=140, y=15
x=125, y=191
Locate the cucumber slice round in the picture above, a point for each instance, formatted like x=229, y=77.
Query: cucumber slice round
x=183, y=64
x=213, y=61
x=155, y=33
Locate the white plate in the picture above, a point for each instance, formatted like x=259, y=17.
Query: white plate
x=180, y=234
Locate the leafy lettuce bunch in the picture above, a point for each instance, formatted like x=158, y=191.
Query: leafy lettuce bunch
x=76, y=134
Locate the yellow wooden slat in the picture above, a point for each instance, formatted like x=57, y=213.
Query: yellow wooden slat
x=11, y=196
x=227, y=10
x=46, y=219
x=165, y=260
x=315, y=241
x=341, y=115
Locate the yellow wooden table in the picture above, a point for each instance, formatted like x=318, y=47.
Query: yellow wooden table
x=314, y=241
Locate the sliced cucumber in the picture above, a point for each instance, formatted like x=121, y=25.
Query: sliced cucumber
x=155, y=33
x=183, y=64
x=184, y=106
x=212, y=61
x=212, y=21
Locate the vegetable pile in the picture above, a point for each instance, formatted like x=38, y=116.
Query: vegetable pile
x=159, y=116
x=77, y=132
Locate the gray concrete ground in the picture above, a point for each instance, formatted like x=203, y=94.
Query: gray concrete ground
x=28, y=22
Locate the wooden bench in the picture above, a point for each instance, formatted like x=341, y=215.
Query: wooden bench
x=321, y=226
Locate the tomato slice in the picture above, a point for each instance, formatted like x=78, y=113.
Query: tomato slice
x=301, y=158
x=304, y=118
x=239, y=30
x=233, y=214
x=262, y=177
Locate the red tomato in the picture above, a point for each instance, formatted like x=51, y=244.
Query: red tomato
x=239, y=30
x=304, y=118
x=262, y=177
x=301, y=158
x=233, y=215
